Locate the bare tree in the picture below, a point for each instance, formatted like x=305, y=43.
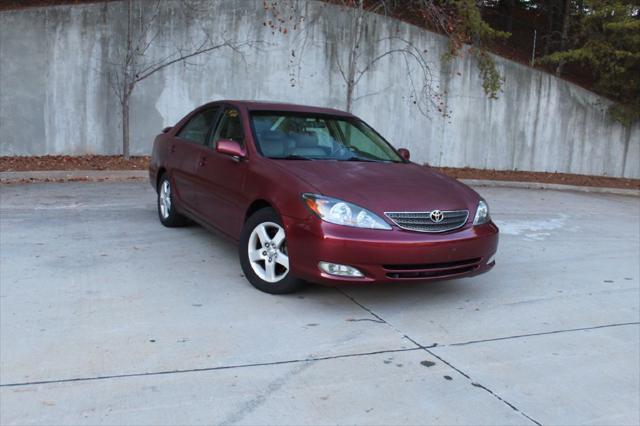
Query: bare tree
x=361, y=53
x=460, y=21
x=136, y=63
x=422, y=84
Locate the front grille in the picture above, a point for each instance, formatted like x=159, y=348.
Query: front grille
x=431, y=270
x=427, y=266
x=430, y=274
x=422, y=222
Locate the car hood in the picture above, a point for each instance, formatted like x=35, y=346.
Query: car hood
x=384, y=187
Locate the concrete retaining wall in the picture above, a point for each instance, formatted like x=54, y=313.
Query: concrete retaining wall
x=55, y=95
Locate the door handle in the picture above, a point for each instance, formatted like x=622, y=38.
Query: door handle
x=203, y=161
x=172, y=148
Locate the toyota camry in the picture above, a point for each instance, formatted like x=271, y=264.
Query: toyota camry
x=316, y=195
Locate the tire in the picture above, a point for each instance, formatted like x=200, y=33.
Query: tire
x=167, y=212
x=267, y=269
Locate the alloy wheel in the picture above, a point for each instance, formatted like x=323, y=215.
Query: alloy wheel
x=267, y=250
x=165, y=199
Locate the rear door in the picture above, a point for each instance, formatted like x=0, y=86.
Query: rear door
x=186, y=148
x=221, y=177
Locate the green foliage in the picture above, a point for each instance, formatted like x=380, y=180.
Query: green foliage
x=491, y=79
x=471, y=23
x=469, y=26
x=607, y=41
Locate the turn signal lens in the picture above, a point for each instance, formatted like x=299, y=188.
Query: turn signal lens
x=341, y=212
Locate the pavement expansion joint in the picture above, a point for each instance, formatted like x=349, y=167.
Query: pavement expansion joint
x=426, y=349
x=543, y=333
x=198, y=370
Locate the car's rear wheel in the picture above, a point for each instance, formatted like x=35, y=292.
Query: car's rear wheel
x=167, y=212
x=264, y=254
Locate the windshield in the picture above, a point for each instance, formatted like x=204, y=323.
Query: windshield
x=300, y=136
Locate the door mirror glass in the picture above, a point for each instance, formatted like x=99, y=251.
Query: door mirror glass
x=404, y=153
x=230, y=147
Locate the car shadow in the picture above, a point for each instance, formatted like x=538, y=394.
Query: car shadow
x=424, y=291
x=396, y=296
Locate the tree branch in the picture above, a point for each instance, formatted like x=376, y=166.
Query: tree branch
x=182, y=57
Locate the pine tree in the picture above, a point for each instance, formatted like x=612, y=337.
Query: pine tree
x=607, y=42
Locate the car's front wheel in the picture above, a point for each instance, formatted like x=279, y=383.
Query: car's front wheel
x=264, y=255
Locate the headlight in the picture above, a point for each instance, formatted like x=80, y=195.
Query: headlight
x=482, y=213
x=340, y=212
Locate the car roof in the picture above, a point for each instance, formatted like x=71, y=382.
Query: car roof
x=281, y=106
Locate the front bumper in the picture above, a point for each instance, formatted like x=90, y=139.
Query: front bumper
x=388, y=256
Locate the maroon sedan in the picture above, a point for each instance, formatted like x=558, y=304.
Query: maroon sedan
x=315, y=194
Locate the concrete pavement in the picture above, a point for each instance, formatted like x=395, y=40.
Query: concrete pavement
x=106, y=317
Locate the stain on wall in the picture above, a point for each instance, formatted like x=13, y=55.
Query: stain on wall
x=56, y=96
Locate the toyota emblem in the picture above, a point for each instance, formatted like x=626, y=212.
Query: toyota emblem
x=437, y=216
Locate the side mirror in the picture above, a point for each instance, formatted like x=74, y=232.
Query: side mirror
x=404, y=153
x=166, y=129
x=231, y=148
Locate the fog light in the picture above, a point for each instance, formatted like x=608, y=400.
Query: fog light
x=492, y=259
x=340, y=270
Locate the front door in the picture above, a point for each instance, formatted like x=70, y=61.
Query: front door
x=221, y=178
x=186, y=148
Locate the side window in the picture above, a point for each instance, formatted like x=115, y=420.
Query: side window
x=197, y=128
x=230, y=127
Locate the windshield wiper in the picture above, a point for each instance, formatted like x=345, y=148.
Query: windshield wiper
x=368, y=160
x=292, y=157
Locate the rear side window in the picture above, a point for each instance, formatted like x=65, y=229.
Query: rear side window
x=230, y=127
x=197, y=128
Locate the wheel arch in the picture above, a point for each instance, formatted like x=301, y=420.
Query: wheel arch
x=259, y=204
x=161, y=172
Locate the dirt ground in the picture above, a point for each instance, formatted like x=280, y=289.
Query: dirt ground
x=115, y=162
x=544, y=177
x=24, y=4
x=68, y=162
